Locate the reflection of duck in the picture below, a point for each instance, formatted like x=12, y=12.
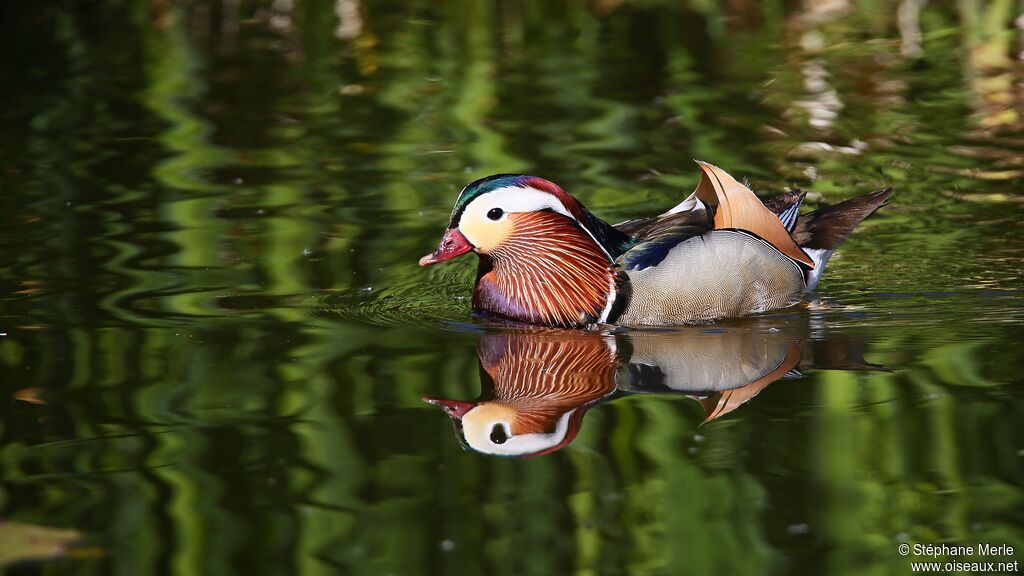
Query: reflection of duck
x=538, y=384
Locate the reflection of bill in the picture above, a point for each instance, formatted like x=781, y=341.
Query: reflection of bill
x=537, y=384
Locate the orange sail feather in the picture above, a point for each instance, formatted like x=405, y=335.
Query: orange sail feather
x=738, y=207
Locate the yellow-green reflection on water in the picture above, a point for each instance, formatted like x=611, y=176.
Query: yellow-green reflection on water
x=216, y=339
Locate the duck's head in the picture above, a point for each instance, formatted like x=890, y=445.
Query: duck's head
x=493, y=211
x=496, y=210
x=551, y=258
x=497, y=428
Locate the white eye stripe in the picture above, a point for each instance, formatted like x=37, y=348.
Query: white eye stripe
x=515, y=199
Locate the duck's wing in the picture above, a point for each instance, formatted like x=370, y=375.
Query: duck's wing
x=735, y=206
x=654, y=237
x=785, y=206
x=644, y=229
x=719, y=201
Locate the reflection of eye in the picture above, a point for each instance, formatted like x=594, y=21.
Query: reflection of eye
x=495, y=213
x=498, y=434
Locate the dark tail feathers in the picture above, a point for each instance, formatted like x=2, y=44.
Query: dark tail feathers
x=826, y=228
x=819, y=233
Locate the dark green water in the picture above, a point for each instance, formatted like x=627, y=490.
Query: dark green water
x=215, y=338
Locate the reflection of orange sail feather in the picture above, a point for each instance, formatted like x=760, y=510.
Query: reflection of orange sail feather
x=738, y=207
x=721, y=403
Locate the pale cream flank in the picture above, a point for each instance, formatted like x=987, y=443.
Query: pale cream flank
x=722, y=274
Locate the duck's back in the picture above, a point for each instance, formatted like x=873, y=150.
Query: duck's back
x=720, y=274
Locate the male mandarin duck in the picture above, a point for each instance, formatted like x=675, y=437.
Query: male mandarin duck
x=545, y=259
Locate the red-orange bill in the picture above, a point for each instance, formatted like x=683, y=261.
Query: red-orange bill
x=452, y=244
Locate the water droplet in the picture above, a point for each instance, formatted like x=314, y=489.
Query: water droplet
x=698, y=438
x=447, y=545
x=307, y=252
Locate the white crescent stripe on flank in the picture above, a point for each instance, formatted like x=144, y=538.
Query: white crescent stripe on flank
x=612, y=294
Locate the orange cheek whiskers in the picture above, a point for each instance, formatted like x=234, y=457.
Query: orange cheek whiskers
x=549, y=270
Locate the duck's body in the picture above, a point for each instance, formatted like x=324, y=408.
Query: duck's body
x=719, y=274
x=545, y=259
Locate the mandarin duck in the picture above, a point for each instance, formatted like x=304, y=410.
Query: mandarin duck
x=537, y=385
x=545, y=259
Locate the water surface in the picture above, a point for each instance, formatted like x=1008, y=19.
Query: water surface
x=215, y=338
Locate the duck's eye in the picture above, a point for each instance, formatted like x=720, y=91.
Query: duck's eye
x=495, y=213
x=498, y=434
